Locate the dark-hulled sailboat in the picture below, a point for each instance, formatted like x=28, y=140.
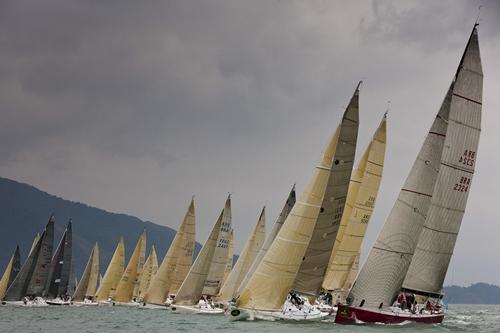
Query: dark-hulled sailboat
x=413, y=251
x=59, y=276
x=32, y=278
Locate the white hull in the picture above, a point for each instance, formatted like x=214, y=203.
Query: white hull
x=84, y=304
x=196, y=309
x=129, y=304
x=311, y=314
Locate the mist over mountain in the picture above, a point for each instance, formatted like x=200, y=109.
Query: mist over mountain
x=477, y=293
x=24, y=211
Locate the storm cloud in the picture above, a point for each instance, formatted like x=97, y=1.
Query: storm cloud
x=135, y=106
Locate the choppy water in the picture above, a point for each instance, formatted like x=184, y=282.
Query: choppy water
x=104, y=319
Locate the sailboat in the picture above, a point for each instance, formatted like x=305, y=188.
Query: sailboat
x=361, y=197
x=86, y=288
x=403, y=276
x=213, y=282
x=230, y=258
x=265, y=294
x=247, y=256
x=30, y=282
x=189, y=294
x=10, y=273
x=148, y=272
x=56, y=290
x=113, y=274
x=175, y=264
x=124, y=294
x=287, y=207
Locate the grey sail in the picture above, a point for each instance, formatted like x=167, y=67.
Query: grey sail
x=19, y=287
x=382, y=275
x=313, y=267
x=72, y=282
x=435, y=246
x=290, y=201
x=60, y=266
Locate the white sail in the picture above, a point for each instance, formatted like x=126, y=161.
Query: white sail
x=363, y=191
x=10, y=273
x=268, y=287
x=230, y=258
x=247, y=256
x=148, y=272
x=290, y=201
x=315, y=262
x=384, y=272
x=219, y=259
x=435, y=246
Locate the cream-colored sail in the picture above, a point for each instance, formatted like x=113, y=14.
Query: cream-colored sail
x=35, y=240
x=88, y=282
x=190, y=291
x=250, y=251
x=268, y=287
x=315, y=261
x=176, y=262
x=213, y=282
x=230, y=255
x=10, y=272
x=148, y=272
x=130, y=278
x=290, y=201
x=113, y=274
x=363, y=191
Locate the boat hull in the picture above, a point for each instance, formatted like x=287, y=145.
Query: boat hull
x=174, y=308
x=238, y=314
x=354, y=315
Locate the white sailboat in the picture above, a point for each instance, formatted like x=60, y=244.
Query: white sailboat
x=175, y=264
x=266, y=292
x=413, y=250
x=108, y=283
x=86, y=288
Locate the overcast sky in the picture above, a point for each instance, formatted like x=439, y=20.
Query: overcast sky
x=134, y=106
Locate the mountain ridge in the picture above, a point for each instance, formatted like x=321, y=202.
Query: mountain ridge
x=25, y=209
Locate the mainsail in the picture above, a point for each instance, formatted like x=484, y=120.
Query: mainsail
x=315, y=262
x=148, y=272
x=290, y=201
x=37, y=263
x=435, y=246
x=190, y=291
x=363, y=190
x=130, y=278
x=108, y=283
x=230, y=258
x=456, y=131
x=35, y=240
x=268, y=287
x=176, y=262
x=88, y=282
x=219, y=259
x=73, y=282
x=60, y=266
x=247, y=256
x=10, y=272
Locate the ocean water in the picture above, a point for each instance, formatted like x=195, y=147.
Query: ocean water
x=104, y=319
